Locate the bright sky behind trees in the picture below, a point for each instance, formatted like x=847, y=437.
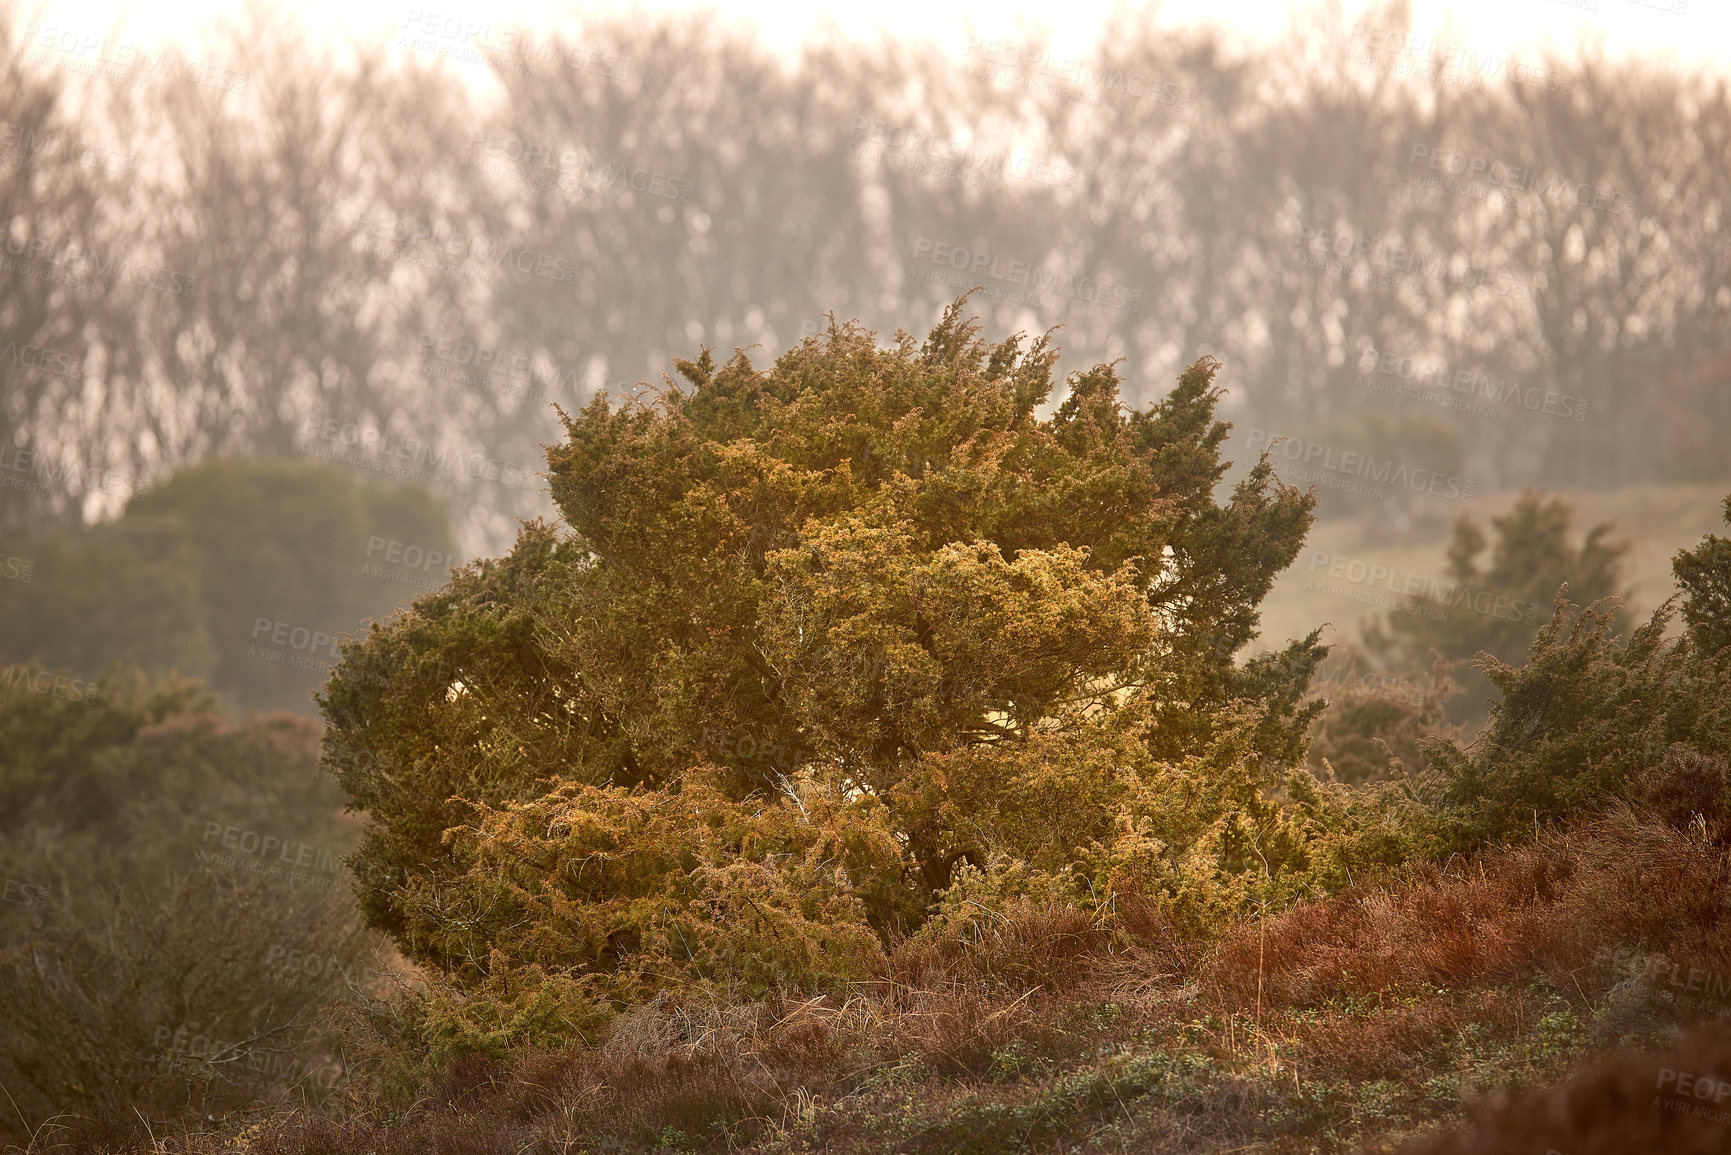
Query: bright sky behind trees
x=1702, y=29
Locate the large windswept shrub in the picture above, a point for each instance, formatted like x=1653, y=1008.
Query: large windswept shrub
x=817, y=643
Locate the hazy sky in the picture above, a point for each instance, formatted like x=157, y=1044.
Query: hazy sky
x=1702, y=29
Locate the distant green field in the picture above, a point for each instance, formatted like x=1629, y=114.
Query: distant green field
x=1657, y=520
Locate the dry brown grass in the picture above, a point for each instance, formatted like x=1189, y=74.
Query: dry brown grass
x=1345, y=991
x=1545, y=907
x=1026, y=946
x=1385, y=1046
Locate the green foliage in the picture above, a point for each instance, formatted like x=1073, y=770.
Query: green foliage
x=512, y=1009
x=1591, y=716
x=1573, y=724
x=1704, y=574
x=994, y=639
x=417, y=714
x=999, y=649
x=1376, y=723
x=181, y=580
x=639, y=884
x=124, y=593
x=1495, y=607
x=63, y=743
x=145, y=970
x=121, y=784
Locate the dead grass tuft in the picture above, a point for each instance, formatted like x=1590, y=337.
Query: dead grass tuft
x=1025, y=947
x=1550, y=907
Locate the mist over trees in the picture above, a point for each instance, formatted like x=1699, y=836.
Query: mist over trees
x=1508, y=271
x=240, y=573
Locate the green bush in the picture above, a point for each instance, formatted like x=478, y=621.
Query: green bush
x=1376, y=724
x=160, y=958
x=1704, y=574
x=1496, y=606
x=182, y=580
x=820, y=639
x=1592, y=716
x=127, y=781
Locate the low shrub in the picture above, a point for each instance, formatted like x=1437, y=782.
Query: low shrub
x=1676, y=1100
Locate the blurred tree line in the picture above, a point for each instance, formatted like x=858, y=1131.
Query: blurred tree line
x=400, y=261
